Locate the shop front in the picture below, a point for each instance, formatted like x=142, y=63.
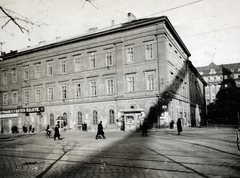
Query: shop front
x=133, y=118
x=20, y=119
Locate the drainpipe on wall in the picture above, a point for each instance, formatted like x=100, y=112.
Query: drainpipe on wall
x=158, y=63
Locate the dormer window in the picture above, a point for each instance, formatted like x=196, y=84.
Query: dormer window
x=212, y=71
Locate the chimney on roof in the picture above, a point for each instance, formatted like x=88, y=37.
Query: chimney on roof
x=92, y=29
x=131, y=17
x=41, y=42
x=112, y=22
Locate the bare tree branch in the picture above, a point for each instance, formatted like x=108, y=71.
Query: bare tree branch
x=16, y=20
x=90, y=1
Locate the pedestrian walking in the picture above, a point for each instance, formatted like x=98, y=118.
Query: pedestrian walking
x=30, y=128
x=24, y=128
x=179, y=125
x=85, y=126
x=56, y=133
x=171, y=124
x=144, y=128
x=123, y=126
x=65, y=125
x=100, y=130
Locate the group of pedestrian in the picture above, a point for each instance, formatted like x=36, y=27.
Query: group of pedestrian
x=30, y=129
x=56, y=132
x=15, y=129
x=100, y=131
x=179, y=126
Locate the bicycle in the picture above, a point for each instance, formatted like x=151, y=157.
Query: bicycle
x=50, y=135
x=238, y=139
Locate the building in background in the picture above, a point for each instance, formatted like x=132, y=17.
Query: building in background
x=128, y=72
x=214, y=77
x=222, y=92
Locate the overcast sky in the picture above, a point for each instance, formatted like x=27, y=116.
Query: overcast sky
x=209, y=28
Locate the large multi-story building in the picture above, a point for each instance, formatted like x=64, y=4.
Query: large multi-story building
x=215, y=77
x=126, y=72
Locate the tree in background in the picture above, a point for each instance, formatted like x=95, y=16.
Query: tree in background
x=17, y=19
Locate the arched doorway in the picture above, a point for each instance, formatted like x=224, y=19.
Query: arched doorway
x=51, y=120
x=62, y=121
x=95, y=117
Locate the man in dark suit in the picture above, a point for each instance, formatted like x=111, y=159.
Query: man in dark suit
x=100, y=130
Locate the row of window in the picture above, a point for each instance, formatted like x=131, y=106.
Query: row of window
x=111, y=117
x=213, y=71
x=95, y=120
x=77, y=64
x=93, y=89
x=176, y=58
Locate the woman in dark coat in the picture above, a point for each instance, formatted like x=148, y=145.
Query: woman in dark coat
x=179, y=126
x=100, y=130
x=56, y=133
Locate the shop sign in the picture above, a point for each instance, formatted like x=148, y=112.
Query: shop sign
x=8, y=115
x=23, y=110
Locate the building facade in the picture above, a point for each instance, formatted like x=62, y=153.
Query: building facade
x=117, y=74
x=222, y=92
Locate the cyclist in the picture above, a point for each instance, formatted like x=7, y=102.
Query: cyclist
x=48, y=131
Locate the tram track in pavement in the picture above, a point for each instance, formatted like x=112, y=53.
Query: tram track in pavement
x=187, y=164
x=91, y=153
x=181, y=140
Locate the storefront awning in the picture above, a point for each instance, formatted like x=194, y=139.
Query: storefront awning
x=132, y=110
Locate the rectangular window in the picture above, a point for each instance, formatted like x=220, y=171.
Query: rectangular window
x=37, y=71
x=131, y=83
x=50, y=94
x=64, y=92
x=14, y=97
x=4, y=77
x=150, y=81
x=110, y=86
x=170, y=53
x=92, y=60
x=26, y=96
x=49, y=69
x=26, y=73
x=78, y=90
x=93, y=88
x=149, y=51
x=63, y=67
x=14, y=75
x=37, y=95
x=109, y=59
x=5, y=99
x=77, y=66
x=130, y=57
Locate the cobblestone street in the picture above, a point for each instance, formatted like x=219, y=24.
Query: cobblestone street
x=198, y=152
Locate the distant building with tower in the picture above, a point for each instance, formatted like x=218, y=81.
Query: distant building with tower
x=222, y=92
x=214, y=76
